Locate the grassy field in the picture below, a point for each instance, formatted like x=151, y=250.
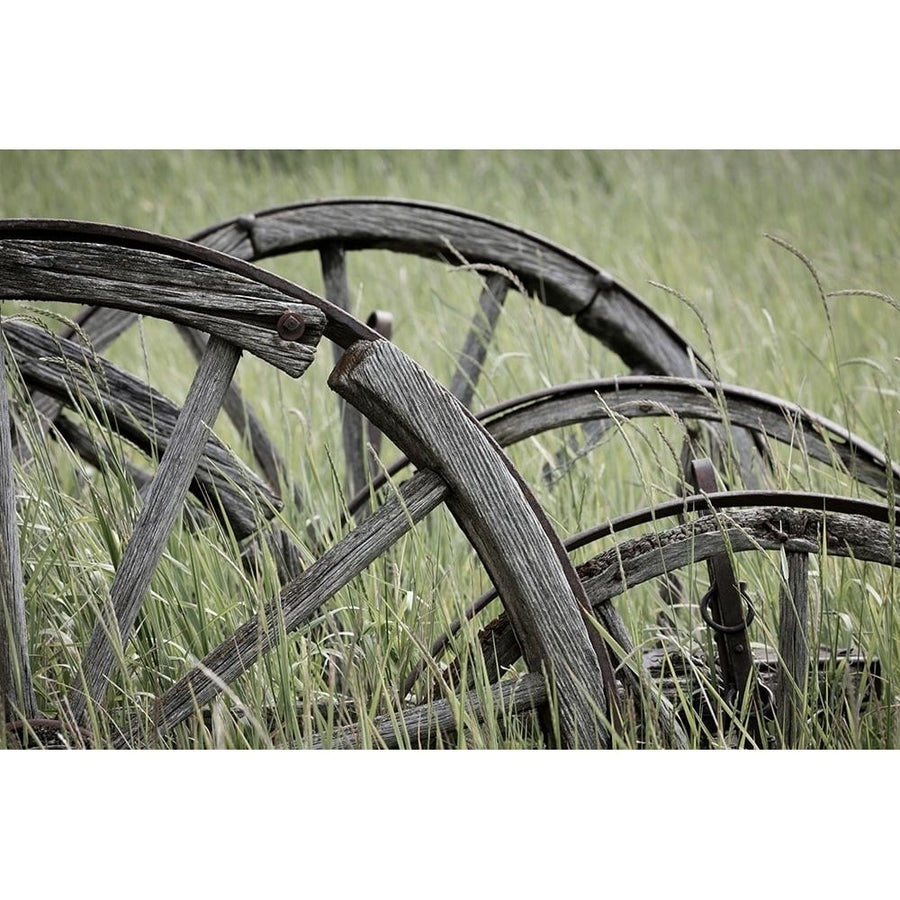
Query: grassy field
x=738, y=250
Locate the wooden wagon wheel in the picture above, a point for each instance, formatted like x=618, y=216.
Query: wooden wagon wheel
x=241, y=307
x=504, y=256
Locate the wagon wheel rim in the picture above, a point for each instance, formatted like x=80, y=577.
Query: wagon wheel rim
x=507, y=257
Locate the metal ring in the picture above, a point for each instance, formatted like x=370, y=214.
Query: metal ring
x=725, y=629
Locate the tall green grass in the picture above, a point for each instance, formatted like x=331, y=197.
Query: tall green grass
x=751, y=255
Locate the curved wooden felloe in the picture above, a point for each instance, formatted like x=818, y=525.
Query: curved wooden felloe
x=50, y=260
x=640, y=396
x=601, y=305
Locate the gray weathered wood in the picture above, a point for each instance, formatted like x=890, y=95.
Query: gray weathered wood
x=71, y=375
x=474, y=351
x=768, y=528
x=560, y=278
x=422, y=726
x=578, y=403
x=504, y=524
x=298, y=602
x=793, y=647
x=602, y=306
x=353, y=427
x=101, y=325
x=16, y=689
x=639, y=396
x=245, y=420
x=679, y=676
x=151, y=531
x=234, y=307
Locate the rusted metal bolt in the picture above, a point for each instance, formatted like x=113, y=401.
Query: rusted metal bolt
x=291, y=326
x=738, y=648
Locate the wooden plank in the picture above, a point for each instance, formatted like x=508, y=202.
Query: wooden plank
x=155, y=521
x=16, y=689
x=298, y=602
x=474, y=351
x=234, y=307
x=504, y=524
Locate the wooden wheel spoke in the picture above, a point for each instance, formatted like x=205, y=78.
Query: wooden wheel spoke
x=243, y=417
x=353, y=425
x=474, y=350
x=16, y=690
x=793, y=646
x=155, y=521
x=423, y=725
x=300, y=599
x=61, y=370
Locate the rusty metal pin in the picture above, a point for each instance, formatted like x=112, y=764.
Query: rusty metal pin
x=290, y=326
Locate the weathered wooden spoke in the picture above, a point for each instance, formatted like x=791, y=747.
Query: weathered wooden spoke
x=334, y=274
x=17, y=698
x=73, y=377
x=298, y=602
x=474, y=350
x=424, y=726
x=161, y=508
